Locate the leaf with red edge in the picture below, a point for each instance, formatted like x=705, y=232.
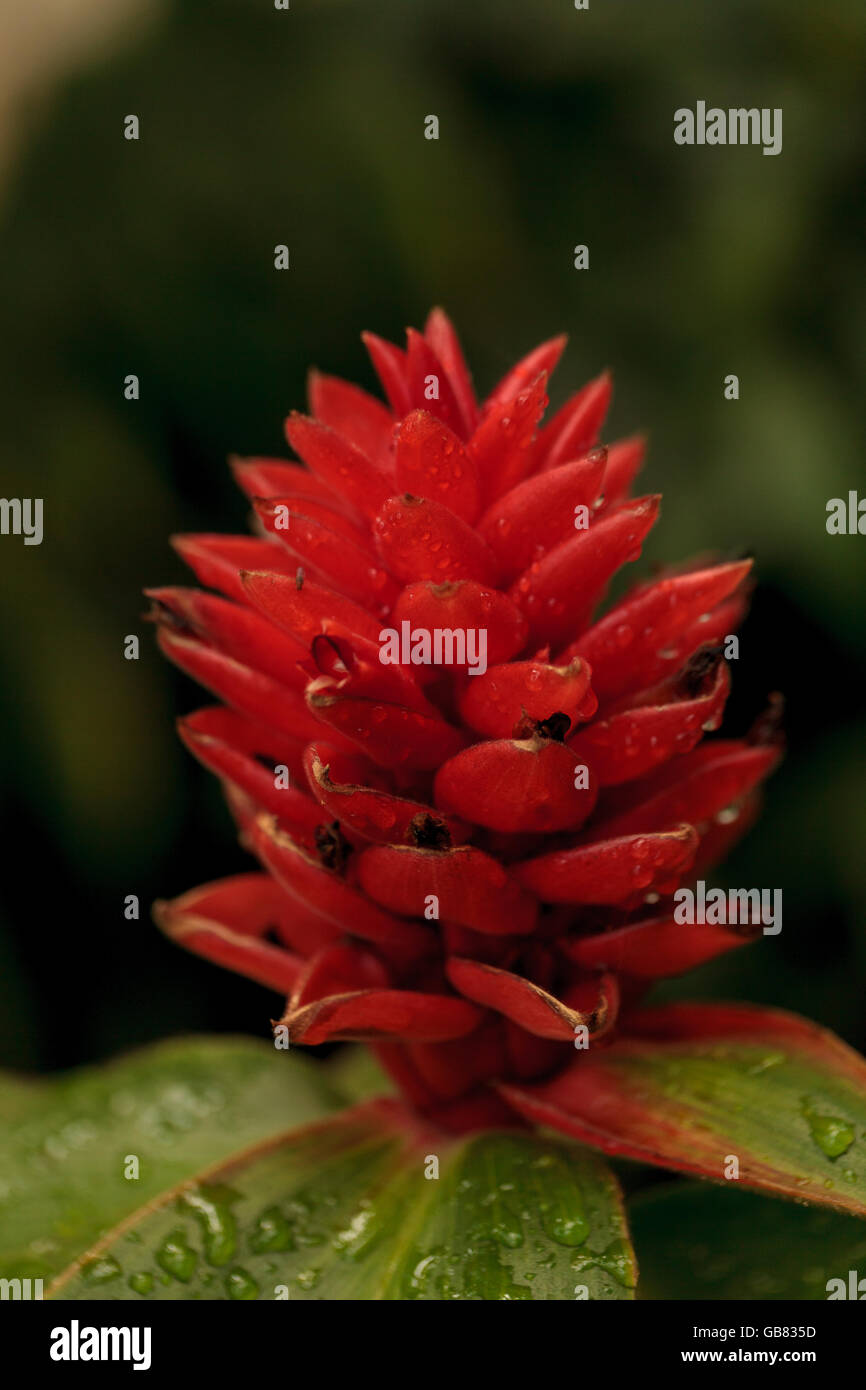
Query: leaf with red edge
x=345, y=1211
x=694, y=1085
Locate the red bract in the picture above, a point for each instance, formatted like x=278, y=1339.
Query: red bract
x=467, y=852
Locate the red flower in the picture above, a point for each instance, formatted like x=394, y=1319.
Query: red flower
x=468, y=851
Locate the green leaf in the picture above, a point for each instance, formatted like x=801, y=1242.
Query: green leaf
x=724, y=1091
x=352, y=1208
x=355, y=1074
x=65, y=1143
x=696, y=1241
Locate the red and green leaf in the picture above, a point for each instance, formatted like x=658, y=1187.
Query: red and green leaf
x=696, y=1086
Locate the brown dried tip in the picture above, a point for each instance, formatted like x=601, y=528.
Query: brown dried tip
x=554, y=727
x=333, y=847
x=703, y=663
x=428, y=832
x=163, y=616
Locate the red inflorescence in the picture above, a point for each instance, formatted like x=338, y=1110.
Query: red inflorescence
x=468, y=840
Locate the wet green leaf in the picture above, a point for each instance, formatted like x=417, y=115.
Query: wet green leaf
x=68, y=1144
x=367, y=1206
x=354, y=1073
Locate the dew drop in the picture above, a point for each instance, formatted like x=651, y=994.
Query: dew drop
x=212, y=1209
x=241, y=1285
x=271, y=1232
x=833, y=1136
x=569, y=1230
x=176, y=1257
x=101, y=1271
x=141, y=1282
x=507, y=1235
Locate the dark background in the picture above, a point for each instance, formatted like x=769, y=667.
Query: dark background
x=306, y=127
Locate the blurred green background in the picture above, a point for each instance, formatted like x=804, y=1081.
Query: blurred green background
x=305, y=127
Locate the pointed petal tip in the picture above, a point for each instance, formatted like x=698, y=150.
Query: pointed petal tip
x=187, y=731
